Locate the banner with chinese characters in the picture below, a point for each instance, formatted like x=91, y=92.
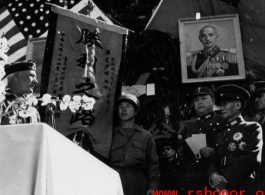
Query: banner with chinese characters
x=82, y=57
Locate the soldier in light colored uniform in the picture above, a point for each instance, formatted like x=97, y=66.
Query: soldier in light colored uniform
x=212, y=61
x=133, y=151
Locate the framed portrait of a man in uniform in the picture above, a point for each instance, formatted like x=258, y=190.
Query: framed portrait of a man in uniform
x=211, y=49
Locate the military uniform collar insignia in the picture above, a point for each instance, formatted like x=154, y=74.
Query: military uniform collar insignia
x=211, y=52
x=207, y=116
x=234, y=122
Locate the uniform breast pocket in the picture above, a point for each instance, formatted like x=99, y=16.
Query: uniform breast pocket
x=117, y=152
x=139, y=151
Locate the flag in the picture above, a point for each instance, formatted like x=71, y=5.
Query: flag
x=21, y=20
x=82, y=58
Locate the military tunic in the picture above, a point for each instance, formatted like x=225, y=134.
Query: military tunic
x=13, y=117
x=171, y=175
x=134, y=157
x=213, y=63
x=196, y=169
x=238, y=154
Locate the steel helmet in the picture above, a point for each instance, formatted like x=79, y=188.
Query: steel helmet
x=131, y=98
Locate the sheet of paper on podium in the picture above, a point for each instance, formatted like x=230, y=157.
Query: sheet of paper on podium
x=196, y=142
x=36, y=159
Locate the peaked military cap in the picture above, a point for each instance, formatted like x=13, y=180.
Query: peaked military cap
x=259, y=87
x=233, y=92
x=19, y=66
x=203, y=90
x=166, y=142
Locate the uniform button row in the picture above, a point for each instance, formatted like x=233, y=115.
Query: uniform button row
x=212, y=124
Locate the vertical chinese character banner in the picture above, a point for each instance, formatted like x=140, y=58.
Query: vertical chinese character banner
x=83, y=57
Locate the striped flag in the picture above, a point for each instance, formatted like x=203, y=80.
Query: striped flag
x=21, y=20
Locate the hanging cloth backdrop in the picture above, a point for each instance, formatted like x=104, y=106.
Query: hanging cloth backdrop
x=82, y=57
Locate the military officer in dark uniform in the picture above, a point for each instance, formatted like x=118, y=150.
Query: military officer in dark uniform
x=20, y=80
x=212, y=61
x=259, y=99
x=208, y=123
x=238, y=148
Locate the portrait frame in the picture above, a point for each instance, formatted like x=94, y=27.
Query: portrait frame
x=196, y=64
x=35, y=51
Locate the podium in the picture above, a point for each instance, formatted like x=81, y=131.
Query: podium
x=35, y=159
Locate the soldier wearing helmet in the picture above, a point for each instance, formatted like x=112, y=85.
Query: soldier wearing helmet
x=133, y=151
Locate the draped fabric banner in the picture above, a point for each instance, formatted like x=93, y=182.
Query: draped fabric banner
x=83, y=57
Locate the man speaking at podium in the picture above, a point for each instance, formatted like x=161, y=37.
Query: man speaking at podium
x=20, y=80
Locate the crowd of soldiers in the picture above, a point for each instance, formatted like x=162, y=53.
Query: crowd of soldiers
x=231, y=160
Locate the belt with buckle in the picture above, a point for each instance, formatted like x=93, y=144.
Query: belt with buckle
x=228, y=161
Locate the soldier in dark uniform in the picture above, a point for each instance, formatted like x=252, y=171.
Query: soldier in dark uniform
x=212, y=61
x=208, y=123
x=238, y=148
x=259, y=98
x=21, y=79
x=170, y=166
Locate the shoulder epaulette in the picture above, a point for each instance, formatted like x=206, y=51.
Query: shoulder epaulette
x=190, y=56
x=231, y=50
x=230, y=55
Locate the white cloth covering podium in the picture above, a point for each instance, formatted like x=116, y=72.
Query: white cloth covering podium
x=37, y=160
